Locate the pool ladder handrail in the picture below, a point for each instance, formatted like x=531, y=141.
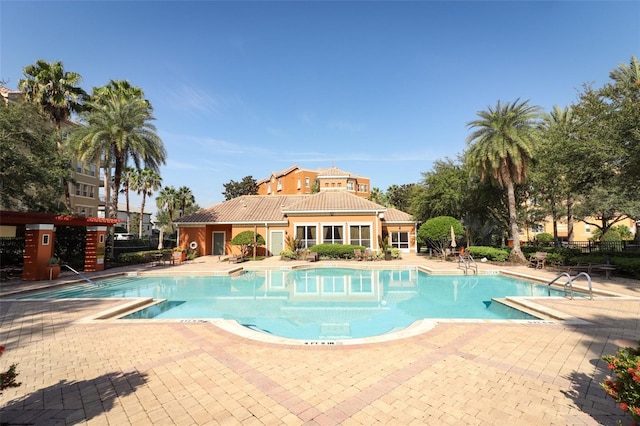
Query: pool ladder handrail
x=77, y=273
x=569, y=283
x=461, y=259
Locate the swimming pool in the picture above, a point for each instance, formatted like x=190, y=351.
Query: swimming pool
x=322, y=303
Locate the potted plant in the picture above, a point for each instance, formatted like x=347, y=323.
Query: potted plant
x=179, y=254
x=54, y=267
x=384, y=246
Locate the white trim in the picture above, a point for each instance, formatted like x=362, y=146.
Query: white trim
x=40, y=227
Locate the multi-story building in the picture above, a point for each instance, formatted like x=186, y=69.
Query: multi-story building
x=297, y=181
x=84, y=180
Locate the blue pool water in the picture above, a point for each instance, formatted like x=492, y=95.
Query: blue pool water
x=321, y=303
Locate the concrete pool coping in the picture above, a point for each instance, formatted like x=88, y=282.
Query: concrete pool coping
x=529, y=305
x=193, y=373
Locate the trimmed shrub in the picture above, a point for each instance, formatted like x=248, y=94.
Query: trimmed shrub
x=335, y=251
x=544, y=238
x=491, y=253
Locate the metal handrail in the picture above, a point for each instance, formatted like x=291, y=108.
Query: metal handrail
x=588, y=280
x=78, y=273
x=466, y=265
x=569, y=283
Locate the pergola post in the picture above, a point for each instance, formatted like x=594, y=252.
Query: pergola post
x=38, y=249
x=95, y=248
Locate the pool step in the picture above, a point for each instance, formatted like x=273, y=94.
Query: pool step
x=532, y=308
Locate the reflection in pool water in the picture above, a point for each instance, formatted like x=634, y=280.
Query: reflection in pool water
x=322, y=303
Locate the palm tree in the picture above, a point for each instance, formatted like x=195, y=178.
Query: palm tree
x=501, y=147
x=129, y=178
x=167, y=200
x=627, y=75
x=146, y=183
x=558, y=128
x=120, y=89
x=122, y=127
x=56, y=94
x=185, y=199
x=53, y=90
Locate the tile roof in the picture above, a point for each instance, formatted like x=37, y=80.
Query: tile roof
x=396, y=216
x=334, y=172
x=243, y=209
x=274, y=208
x=326, y=201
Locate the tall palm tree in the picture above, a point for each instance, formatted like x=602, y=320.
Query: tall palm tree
x=167, y=200
x=558, y=128
x=501, y=147
x=129, y=178
x=120, y=89
x=123, y=128
x=146, y=183
x=185, y=199
x=57, y=95
x=54, y=90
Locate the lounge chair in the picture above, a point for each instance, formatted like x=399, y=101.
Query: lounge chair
x=368, y=255
x=312, y=256
x=357, y=254
x=538, y=260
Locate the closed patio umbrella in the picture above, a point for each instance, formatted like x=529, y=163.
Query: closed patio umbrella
x=453, y=238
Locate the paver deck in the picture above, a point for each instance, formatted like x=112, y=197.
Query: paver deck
x=195, y=373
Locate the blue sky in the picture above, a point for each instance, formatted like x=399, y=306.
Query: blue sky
x=381, y=89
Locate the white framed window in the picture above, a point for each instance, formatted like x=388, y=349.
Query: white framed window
x=306, y=234
x=307, y=182
x=360, y=235
x=587, y=228
x=269, y=188
x=350, y=186
x=400, y=239
x=279, y=184
x=299, y=184
x=332, y=234
x=45, y=239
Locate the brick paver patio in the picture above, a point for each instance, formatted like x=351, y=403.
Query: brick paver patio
x=195, y=373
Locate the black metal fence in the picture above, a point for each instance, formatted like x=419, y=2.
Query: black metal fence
x=608, y=247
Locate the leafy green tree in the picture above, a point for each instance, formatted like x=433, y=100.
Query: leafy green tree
x=57, y=95
x=501, y=147
x=30, y=166
x=166, y=201
x=441, y=192
x=436, y=232
x=400, y=197
x=246, y=240
x=550, y=175
x=233, y=189
x=146, y=183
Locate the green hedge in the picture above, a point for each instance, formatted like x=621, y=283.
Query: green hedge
x=137, y=257
x=626, y=266
x=491, y=253
x=336, y=251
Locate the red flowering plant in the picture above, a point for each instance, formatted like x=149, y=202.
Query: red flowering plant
x=8, y=378
x=624, y=385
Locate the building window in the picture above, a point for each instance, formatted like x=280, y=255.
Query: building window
x=91, y=191
x=350, y=186
x=45, y=239
x=537, y=228
x=268, y=189
x=306, y=234
x=587, y=228
x=77, y=189
x=400, y=240
x=307, y=183
x=92, y=170
x=79, y=166
x=279, y=184
x=85, y=191
x=332, y=234
x=360, y=235
x=299, y=183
